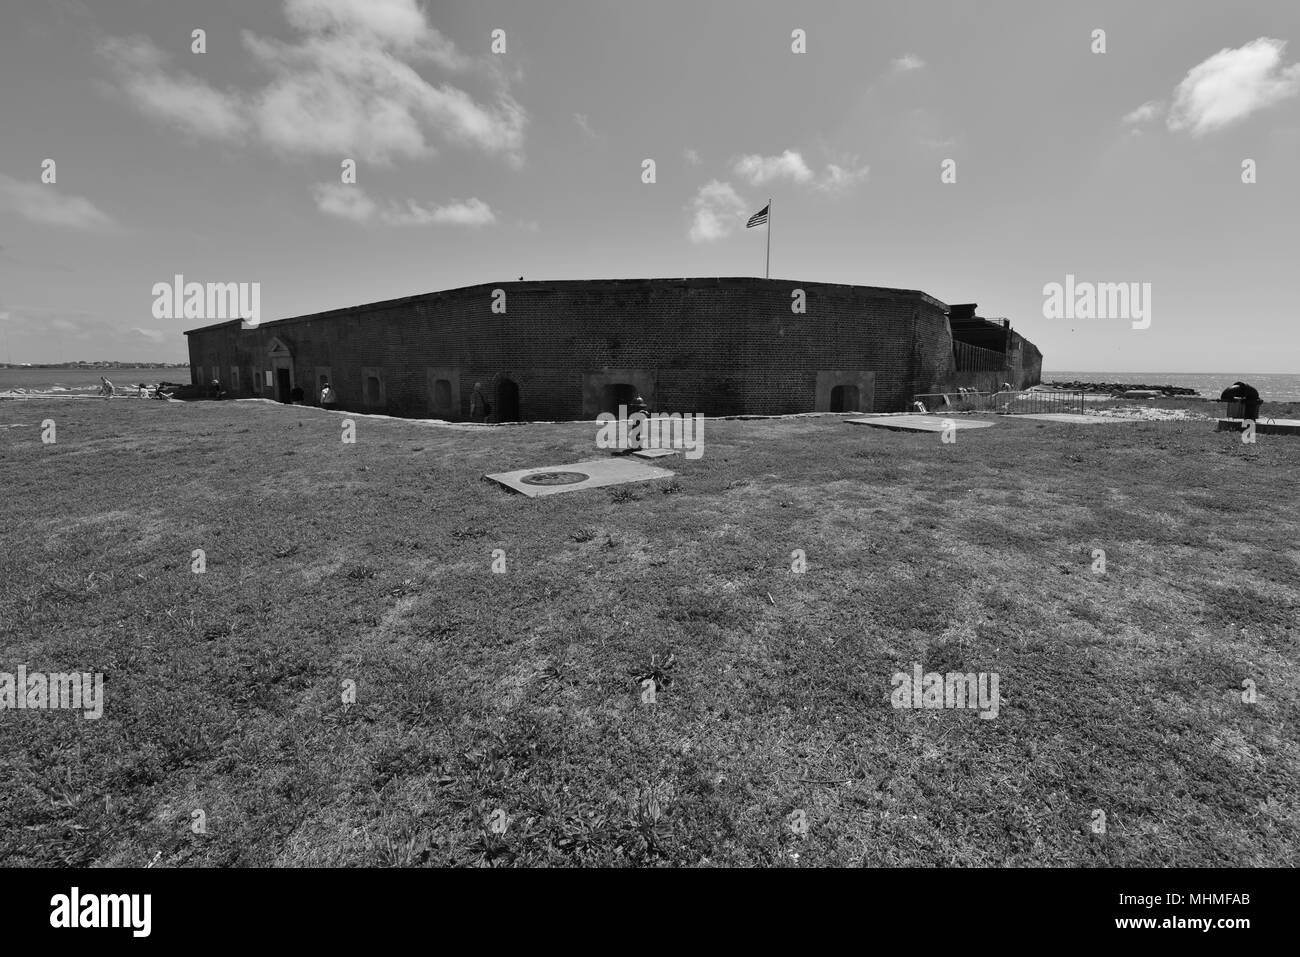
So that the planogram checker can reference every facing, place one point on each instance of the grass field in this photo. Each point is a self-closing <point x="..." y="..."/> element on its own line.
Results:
<point x="521" y="691"/>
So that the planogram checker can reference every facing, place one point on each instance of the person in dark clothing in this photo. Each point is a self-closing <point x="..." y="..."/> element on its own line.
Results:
<point x="1248" y="395"/>
<point x="639" y="441"/>
<point x="296" y="396"/>
<point x="479" y="409"/>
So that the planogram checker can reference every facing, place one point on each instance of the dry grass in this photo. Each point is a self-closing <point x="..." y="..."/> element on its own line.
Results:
<point x="523" y="691"/>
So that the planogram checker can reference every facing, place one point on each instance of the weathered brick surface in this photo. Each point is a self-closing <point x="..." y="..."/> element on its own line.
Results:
<point x="716" y="346"/>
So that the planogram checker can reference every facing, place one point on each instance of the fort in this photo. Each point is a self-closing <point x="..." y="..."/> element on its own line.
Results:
<point x="572" y="349"/>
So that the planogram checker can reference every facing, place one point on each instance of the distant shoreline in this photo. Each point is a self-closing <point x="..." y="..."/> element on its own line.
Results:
<point x="1273" y="387"/>
<point x="1148" y="372"/>
<point x="91" y="366"/>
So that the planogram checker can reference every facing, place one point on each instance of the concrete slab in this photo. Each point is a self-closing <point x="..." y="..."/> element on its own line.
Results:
<point x="907" y="422"/>
<point x="653" y="453"/>
<point x="554" y="479"/>
<point x="1264" y="426"/>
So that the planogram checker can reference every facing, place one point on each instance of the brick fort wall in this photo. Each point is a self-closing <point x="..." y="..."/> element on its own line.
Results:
<point x="568" y="349"/>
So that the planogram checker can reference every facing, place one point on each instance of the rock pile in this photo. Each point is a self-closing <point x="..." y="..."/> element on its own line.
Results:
<point x="1119" y="388"/>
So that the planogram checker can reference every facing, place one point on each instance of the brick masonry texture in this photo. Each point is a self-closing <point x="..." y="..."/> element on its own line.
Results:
<point x="716" y="346"/>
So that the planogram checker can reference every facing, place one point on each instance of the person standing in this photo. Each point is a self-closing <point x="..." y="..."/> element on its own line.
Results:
<point x="638" y="426"/>
<point x="328" y="398"/>
<point x="479" y="410"/>
<point x="105" y="387"/>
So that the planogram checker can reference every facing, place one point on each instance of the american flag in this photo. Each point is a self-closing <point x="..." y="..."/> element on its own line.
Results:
<point x="759" y="218"/>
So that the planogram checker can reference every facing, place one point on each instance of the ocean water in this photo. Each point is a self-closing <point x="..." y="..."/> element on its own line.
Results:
<point x="1273" y="387"/>
<point x="84" y="381"/>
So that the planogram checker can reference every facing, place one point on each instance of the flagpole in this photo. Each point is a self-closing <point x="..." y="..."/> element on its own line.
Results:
<point x="767" y="270"/>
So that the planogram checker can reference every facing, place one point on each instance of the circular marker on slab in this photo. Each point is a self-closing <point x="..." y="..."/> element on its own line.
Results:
<point x="555" y="478"/>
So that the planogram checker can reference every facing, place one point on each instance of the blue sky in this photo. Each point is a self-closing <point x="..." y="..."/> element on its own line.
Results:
<point x="474" y="166"/>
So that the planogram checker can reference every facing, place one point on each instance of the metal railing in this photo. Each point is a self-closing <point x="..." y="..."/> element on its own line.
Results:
<point x="970" y="358"/>
<point x="959" y="400"/>
<point x="1015" y="402"/>
<point x="1037" y="402"/>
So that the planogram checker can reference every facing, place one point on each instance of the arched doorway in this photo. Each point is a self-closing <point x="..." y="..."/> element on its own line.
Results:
<point x="507" y="401"/>
<point x="616" y="394"/>
<point x="844" y="398"/>
<point x="283" y="379"/>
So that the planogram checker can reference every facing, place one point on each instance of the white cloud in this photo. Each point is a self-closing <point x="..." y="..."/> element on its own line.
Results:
<point x="153" y="335"/>
<point x="790" y="165"/>
<point x="346" y="86"/>
<point x="344" y="201"/>
<point x="585" y="125"/>
<point x="759" y="170"/>
<point x="472" y="212"/>
<point x="692" y="157"/>
<point x="180" y="100"/>
<point x="396" y="23"/>
<point x="352" y="203"/>
<point x="719" y="211"/>
<point x="906" y="63"/>
<point x="838" y="178"/>
<point x="1145" y="113"/>
<point x="40" y="319"/>
<point x="73" y="327"/>
<point x="1231" y="85"/>
<point x="333" y="95"/>
<point x="49" y="205"/>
